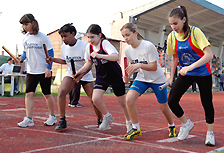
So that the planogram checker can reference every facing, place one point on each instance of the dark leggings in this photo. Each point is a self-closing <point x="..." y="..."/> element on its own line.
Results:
<point x="181" y="85"/>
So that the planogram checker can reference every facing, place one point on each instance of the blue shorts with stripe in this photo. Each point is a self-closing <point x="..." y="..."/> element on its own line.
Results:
<point x="141" y="87"/>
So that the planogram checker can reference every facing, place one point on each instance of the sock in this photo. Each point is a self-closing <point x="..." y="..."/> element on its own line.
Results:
<point x="187" y="124"/>
<point x="107" y="114"/>
<point x="171" y="125"/>
<point x="30" y="118"/>
<point x="128" y="122"/>
<point x="209" y="132"/>
<point x="53" y="115"/>
<point x="136" y="126"/>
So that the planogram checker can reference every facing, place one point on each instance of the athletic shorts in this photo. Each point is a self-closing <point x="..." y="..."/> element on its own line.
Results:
<point x="141" y="87"/>
<point x="119" y="90"/>
<point x="33" y="79"/>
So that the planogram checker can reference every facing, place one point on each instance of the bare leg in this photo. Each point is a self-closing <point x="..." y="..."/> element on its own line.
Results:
<point x="97" y="100"/>
<point x="89" y="91"/>
<point x="183" y="119"/>
<point x="122" y="101"/>
<point x="29" y="102"/>
<point x="66" y="86"/>
<point x="210" y="127"/>
<point x="50" y="103"/>
<point x="131" y="98"/>
<point x="167" y="112"/>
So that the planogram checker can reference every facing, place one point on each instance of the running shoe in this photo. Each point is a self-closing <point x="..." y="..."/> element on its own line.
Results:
<point x="133" y="133"/>
<point x="172" y="131"/>
<point x="184" y="131"/>
<point x="106" y="121"/>
<point x="26" y="122"/>
<point x="62" y="124"/>
<point x="51" y="121"/>
<point x="210" y="139"/>
<point x="79" y="105"/>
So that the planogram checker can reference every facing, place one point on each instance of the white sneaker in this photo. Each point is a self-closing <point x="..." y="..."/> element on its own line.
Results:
<point x="106" y="121"/>
<point x="184" y="131"/>
<point x="51" y="121"/>
<point x="129" y="126"/>
<point x="210" y="139"/>
<point x="26" y="122"/>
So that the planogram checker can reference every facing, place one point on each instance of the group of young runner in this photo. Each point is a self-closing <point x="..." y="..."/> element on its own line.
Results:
<point x="187" y="44"/>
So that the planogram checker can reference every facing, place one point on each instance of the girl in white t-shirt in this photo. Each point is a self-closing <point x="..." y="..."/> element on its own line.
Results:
<point x="72" y="49"/>
<point x="143" y="57"/>
<point x="108" y="73"/>
<point x="38" y="70"/>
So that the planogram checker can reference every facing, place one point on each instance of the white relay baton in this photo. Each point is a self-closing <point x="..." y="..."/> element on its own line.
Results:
<point x="164" y="86"/>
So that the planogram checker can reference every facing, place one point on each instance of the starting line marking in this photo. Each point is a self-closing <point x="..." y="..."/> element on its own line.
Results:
<point x="219" y="150"/>
<point x="16" y="109"/>
<point x="175" y="139"/>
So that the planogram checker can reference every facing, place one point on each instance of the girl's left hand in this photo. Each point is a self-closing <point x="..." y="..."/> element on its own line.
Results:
<point x="47" y="73"/>
<point x="132" y="68"/>
<point x="185" y="69"/>
<point x="94" y="55"/>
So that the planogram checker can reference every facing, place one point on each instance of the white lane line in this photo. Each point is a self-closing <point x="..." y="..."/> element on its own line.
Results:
<point x="10" y="110"/>
<point x="174" y="139"/>
<point x="219" y="150"/>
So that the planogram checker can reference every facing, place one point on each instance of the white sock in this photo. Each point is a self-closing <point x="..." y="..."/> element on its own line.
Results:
<point x="170" y="125"/>
<point x="187" y="124"/>
<point x="136" y="126"/>
<point x="209" y="132"/>
<point x="107" y="114"/>
<point x="128" y="122"/>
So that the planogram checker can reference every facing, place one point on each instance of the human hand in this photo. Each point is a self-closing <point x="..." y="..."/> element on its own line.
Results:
<point x="47" y="73"/>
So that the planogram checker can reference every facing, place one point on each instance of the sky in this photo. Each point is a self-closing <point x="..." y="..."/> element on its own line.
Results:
<point x="53" y="14"/>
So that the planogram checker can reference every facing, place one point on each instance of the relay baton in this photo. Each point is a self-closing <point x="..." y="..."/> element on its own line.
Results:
<point x="73" y="66"/>
<point x="125" y="66"/>
<point x="46" y="53"/>
<point x="10" y="54"/>
<point x="163" y="86"/>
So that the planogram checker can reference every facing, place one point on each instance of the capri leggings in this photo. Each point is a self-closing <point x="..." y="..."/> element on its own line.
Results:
<point x="181" y="85"/>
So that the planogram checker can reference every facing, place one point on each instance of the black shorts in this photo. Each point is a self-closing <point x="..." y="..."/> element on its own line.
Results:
<point x="119" y="90"/>
<point x="33" y="79"/>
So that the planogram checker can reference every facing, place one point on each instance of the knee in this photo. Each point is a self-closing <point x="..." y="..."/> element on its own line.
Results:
<point x="29" y="95"/>
<point x="163" y="108"/>
<point x="129" y="102"/>
<point x="61" y="93"/>
<point x="96" y="100"/>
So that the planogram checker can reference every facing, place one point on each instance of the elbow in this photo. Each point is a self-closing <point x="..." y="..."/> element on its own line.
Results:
<point x="155" y="68"/>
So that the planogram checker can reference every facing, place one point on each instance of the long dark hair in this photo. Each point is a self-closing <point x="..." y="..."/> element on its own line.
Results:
<point x="67" y="28"/>
<point x="95" y="29"/>
<point x="29" y="18"/>
<point x="181" y="12"/>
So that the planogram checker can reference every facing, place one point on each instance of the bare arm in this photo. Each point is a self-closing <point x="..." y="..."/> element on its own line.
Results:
<point x="173" y="68"/>
<point x="111" y="57"/>
<point x="81" y="72"/>
<point x="148" y="67"/>
<point x="57" y="60"/>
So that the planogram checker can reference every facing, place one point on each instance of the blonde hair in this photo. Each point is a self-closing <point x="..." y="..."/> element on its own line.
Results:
<point x="131" y="26"/>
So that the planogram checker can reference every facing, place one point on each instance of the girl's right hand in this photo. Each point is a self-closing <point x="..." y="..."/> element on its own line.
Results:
<point x="170" y="81"/>
<point x="77" y="77"/>
<point x="125" y="79"/>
